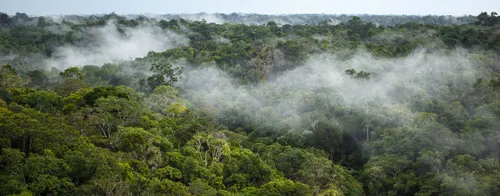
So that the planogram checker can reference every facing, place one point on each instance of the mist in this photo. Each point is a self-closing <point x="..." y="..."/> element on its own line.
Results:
<point x="112" y="43"/>
<point x="322" y="83"/>
<point x="331" y="105"/>
<point x="302" y="19"/>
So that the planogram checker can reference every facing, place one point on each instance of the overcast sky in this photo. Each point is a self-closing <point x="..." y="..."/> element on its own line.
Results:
<point x="397" y="7"/>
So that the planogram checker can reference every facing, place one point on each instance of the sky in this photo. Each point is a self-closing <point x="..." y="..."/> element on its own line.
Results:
<point x="396" y="7"/>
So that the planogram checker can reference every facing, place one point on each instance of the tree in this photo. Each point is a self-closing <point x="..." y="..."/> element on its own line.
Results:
<point x="488" y="20"/>
<point x="460" y="177"/>
<point x="283" y="187"/>
<point x="264" y="57"/>
<point x="316" y="172"/>
<point x="38" y="79"/>
<point x="44" y="101"/>
<point x="245" y="168"/>
<point x="47" y="174"/>
<point x="353" y="73"/>
<point x="9" y="77"/>
<point x="163" y="74"/>
<point x="112" y="187"/>
<point x="72" y="72"/>
<point x="355" y="26"/>
<point x="199" y="187"/>
<point x="424" y="122"/>
<point x="72" y="81"/>
<point x="5" y="20"/>
<point x="327" y="136"/>
<point x="12" y="174"/>
<point x="92" y="96"/>
<point x="454" y="116"/>
<point x="210" y="148"/>
<point x="388" y="174"/>
<point x="167" y="100"/>
<point x="143" y="145"/>
<point x="113" y="112"/>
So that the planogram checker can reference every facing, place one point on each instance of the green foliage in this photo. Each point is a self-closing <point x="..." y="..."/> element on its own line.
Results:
<point x="283" y="187"/>
<point x="353" y="73"/>
<point x="9" y="77"/>
<point x="488" y="20"/>
<point x="44" y="101"/>
<point x="127" y="128"/>
<point x="164" y="74"/>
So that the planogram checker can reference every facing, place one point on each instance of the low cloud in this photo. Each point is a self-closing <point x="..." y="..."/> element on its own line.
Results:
<point x="322" y="83"/>
<point x="112" y="43"/>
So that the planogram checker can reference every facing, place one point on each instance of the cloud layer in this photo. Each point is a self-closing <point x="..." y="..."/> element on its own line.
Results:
<point x="112" y="43"/>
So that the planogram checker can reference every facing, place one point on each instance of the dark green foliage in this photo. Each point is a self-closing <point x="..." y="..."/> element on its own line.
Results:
<point x="488" y="20"/>
<point x="127" y="128"/>
<point x="163" y="74"/>
<point x="103" y="92"/>
<point x="354" y="74"/>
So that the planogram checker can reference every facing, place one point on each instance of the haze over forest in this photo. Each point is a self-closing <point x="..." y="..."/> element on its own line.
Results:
<point x="249" y="104"/>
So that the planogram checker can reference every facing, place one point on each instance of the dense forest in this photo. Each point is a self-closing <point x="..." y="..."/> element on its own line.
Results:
<point x="295" y="19"/>
<point x="249" y="105"/>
